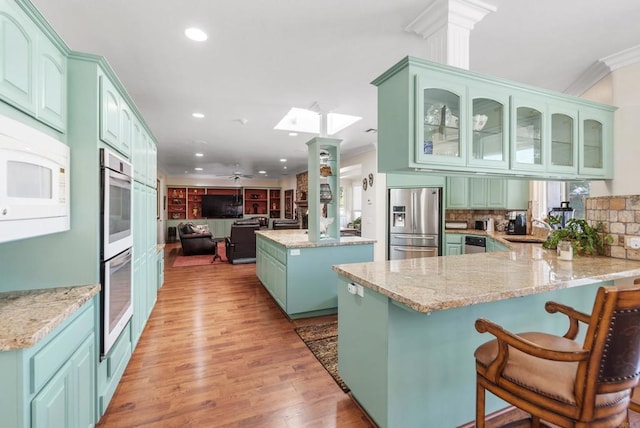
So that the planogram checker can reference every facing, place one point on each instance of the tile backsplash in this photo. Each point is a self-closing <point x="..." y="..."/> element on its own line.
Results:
<point x="620" y="216"/>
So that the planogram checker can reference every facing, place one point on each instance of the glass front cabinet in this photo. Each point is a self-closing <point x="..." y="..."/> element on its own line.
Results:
<point x="434" y="118"/>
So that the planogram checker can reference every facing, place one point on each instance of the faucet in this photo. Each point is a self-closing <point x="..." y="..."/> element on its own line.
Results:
<point x="543" y="223"/>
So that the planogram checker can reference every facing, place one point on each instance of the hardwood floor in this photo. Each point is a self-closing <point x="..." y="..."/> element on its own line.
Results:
<point x="218" y="352"/>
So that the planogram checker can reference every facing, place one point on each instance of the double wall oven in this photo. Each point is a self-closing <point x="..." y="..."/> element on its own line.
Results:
<point x="116" y="252"/>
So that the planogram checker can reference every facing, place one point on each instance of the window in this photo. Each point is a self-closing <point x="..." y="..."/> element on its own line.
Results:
<point x="549" y="194"/>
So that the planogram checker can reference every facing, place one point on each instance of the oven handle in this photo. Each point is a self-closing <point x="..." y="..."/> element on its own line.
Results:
<point x="122" y="180"/>
<point x="120" y="260"/>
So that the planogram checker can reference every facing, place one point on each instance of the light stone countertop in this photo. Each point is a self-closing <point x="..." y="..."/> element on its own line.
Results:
<point x="29" y="316"/>
<point x="298" y="238"/>
<point x="437" y="283"/>
<point x="501" y="237"/>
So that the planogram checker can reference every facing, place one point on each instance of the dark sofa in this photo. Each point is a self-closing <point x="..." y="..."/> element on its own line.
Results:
<point x="241" y="243"/>
<point x="194" y="241"/>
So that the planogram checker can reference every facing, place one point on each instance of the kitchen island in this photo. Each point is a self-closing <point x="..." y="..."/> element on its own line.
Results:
<point x="405" y="347"/>
<point x="297" y="272"/>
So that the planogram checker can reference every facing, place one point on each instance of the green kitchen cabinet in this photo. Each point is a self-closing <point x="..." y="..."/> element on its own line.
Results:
<point x="596" y="130"/>
<point x="436" y="119"/>
<point x="33" y="66"/>
<point x="52" y="384"/>
<point x="563" y="139"/>
<point x="457" y="190"/>
<point x="160" y="268"/>
<point x="454" y="244"/>
<point x="486" y="193"/>
<point x="528" y="146"/>
<point x="300" y="278"/>
<point x="488" y="130"/>
<point x="441" y="115"/>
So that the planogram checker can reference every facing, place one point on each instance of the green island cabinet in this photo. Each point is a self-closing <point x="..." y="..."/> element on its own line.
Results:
<point x="300" y="278"/>
<point x="52" y="384"/>
<point x="434" y="118"/>
<point x="412" y="369"/>
<point x="486" y="193"/>
<point x="33" y="65"/>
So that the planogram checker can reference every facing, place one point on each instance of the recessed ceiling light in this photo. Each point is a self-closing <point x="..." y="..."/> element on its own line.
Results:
<point x="284" y="167"/>
<point x="283" y="160"/>
<point x="262" y="172"/>
<point x="198" y="169"/>
<point x="197" y="115"/>
<point x="199" y="155"/>
<point x="196" y="34"/>
<point x="293" y="134"/>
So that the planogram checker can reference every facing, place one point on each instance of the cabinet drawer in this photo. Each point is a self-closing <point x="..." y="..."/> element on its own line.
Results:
<point x="454" y="238"/>
<point x="46" y="362"/>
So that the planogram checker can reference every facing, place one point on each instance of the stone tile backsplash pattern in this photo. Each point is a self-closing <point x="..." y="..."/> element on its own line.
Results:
<point x="620" y="216"/>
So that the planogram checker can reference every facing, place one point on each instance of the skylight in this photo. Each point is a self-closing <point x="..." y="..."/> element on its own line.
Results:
<point x="303" y="120"/>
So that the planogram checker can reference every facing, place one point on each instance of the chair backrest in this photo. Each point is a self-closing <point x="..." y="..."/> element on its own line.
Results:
<point x="244" y="233"/>
<point x="613" y="337"/>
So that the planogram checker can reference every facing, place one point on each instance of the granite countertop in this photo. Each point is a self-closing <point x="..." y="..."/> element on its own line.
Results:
<point x="437" y="283"/>
<point x="298" y="238"/>
<point x="28" y="316"/>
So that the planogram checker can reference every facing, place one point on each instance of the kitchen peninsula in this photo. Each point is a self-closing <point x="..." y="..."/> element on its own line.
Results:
<point x="406" y="345"/>
<point x="297" y="272"/>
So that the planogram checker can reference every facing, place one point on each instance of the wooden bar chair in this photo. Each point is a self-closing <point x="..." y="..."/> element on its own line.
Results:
<point x="557" y="379"/>
<point x="635" y="396"/>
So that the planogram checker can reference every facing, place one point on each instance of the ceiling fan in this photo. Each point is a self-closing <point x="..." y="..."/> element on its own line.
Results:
<point x="237" y="175"/>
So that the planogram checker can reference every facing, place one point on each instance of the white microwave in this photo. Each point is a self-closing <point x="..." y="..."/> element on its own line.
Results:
<point x="34" y="182"/>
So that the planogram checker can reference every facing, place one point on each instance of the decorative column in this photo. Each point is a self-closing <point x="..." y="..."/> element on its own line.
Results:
<point x="324" y="189"/>
<point x="446" y="25"/>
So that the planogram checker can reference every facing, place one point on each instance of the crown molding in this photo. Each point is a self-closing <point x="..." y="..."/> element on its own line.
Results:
<point x="601" y="68"/>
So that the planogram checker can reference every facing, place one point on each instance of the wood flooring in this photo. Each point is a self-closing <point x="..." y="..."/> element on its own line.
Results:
<point x="218" y="352"/>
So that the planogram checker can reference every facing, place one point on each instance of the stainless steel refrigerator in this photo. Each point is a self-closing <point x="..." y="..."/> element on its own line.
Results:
<point x="414" y="222"/>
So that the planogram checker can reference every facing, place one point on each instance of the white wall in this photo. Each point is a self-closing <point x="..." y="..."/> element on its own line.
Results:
<point x="373" y="201"/>
<point x="621" y="89"/>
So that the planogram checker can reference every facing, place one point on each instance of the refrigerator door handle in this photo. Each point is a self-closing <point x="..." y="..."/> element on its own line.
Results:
<point x="413" y="211"/>
<point x="414" y="237"/>
<point x="417" y="250"/>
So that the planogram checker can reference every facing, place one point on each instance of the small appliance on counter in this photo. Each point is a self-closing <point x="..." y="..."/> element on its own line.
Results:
<point x="517" y="223"/>
<point x="457" y="225"/>
<point x="480" y="225"/>
<point x="561" y="215"/>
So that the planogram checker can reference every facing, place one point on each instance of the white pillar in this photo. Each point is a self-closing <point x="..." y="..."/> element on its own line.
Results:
<point x="446" y="26"/>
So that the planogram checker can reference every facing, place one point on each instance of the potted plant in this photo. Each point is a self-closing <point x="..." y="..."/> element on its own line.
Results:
<point x="585" y="239"/>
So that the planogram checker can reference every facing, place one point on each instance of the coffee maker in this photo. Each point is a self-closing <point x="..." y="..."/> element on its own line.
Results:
<point x="517" y="223"/>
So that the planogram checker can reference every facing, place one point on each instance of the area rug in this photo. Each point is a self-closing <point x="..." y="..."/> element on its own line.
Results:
<point x="200" y="260"/>
<point x="322" y="340"/>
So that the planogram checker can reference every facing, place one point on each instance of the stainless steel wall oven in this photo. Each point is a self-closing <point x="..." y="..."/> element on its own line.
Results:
<point x="116" y="250"/>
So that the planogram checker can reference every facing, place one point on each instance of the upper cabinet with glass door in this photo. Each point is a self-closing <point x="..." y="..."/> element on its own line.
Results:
<point x="489" y="134"/>
<point x="436" y="118"/>
<point x="563" y="142"/>
<point x="596" y="134"/>
<point x="440" y="107"/>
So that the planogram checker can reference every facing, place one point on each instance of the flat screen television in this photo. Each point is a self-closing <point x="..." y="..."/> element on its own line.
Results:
<point x="222" y="206"/>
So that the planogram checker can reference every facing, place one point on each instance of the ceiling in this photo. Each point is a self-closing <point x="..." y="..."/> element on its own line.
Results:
<point x="264" y="57"/>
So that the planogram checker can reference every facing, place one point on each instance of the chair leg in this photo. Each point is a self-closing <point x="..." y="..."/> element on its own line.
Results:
<point x="480" y="393"/>
<point x="535" y="422"/>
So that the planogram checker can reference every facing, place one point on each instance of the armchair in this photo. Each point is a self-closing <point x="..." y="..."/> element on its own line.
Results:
<point x="560" y="380"/>
<point x="194" y="241"/>
<point x="241" y="243"/>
